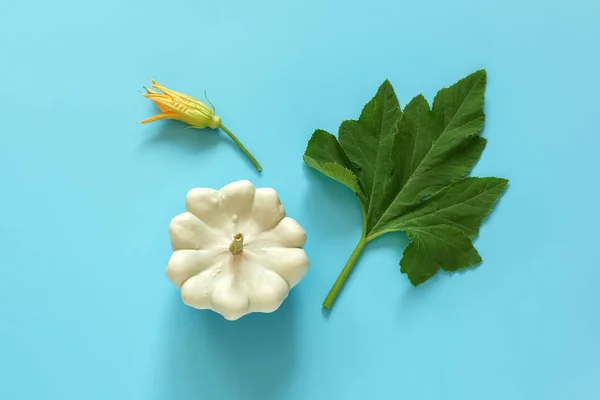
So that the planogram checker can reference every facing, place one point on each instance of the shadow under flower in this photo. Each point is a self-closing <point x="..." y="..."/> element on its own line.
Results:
<point x="177" y="134"/>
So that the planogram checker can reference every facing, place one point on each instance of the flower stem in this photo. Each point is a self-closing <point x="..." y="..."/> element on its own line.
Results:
<point x="337" y="286"/>
<point x="241" y="146"/>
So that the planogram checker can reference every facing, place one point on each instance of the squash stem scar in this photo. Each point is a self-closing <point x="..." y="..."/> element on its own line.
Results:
<point x="237" y="244"/>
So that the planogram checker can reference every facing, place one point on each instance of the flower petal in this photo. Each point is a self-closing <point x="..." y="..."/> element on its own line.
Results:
<point x="182" y="111"/>
<point x="188" y="232"/>
<point x="164" y="115"/>
<point x="290" y="264"/>
<point x="167" y="103"/>
<point x="184" y="98"/>
<point x="184" y="264"/>
<point x="151" y="93"/>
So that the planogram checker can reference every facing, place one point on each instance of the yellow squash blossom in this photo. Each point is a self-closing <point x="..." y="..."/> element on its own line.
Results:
<point x="184" y="108"/>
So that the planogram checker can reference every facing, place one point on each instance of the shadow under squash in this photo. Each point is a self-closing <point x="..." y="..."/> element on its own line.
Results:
<point x="204" y="356"/>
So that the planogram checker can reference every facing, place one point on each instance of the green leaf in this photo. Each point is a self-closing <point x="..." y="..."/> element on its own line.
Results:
<point x="440" y="230"/>
<point x="436" y="147"/>
<point x="462" y="205"/>
<point x="325" y="154"/>
<point x="368" y="143"/>
<point x="434" y="247"/>
<point x="408" y="170"/>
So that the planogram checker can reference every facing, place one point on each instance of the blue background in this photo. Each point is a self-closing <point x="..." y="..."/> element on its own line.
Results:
<point x="87" y="195"/>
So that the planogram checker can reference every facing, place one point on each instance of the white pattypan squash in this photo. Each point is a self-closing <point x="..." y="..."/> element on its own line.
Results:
<point x="235" y="251"/>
